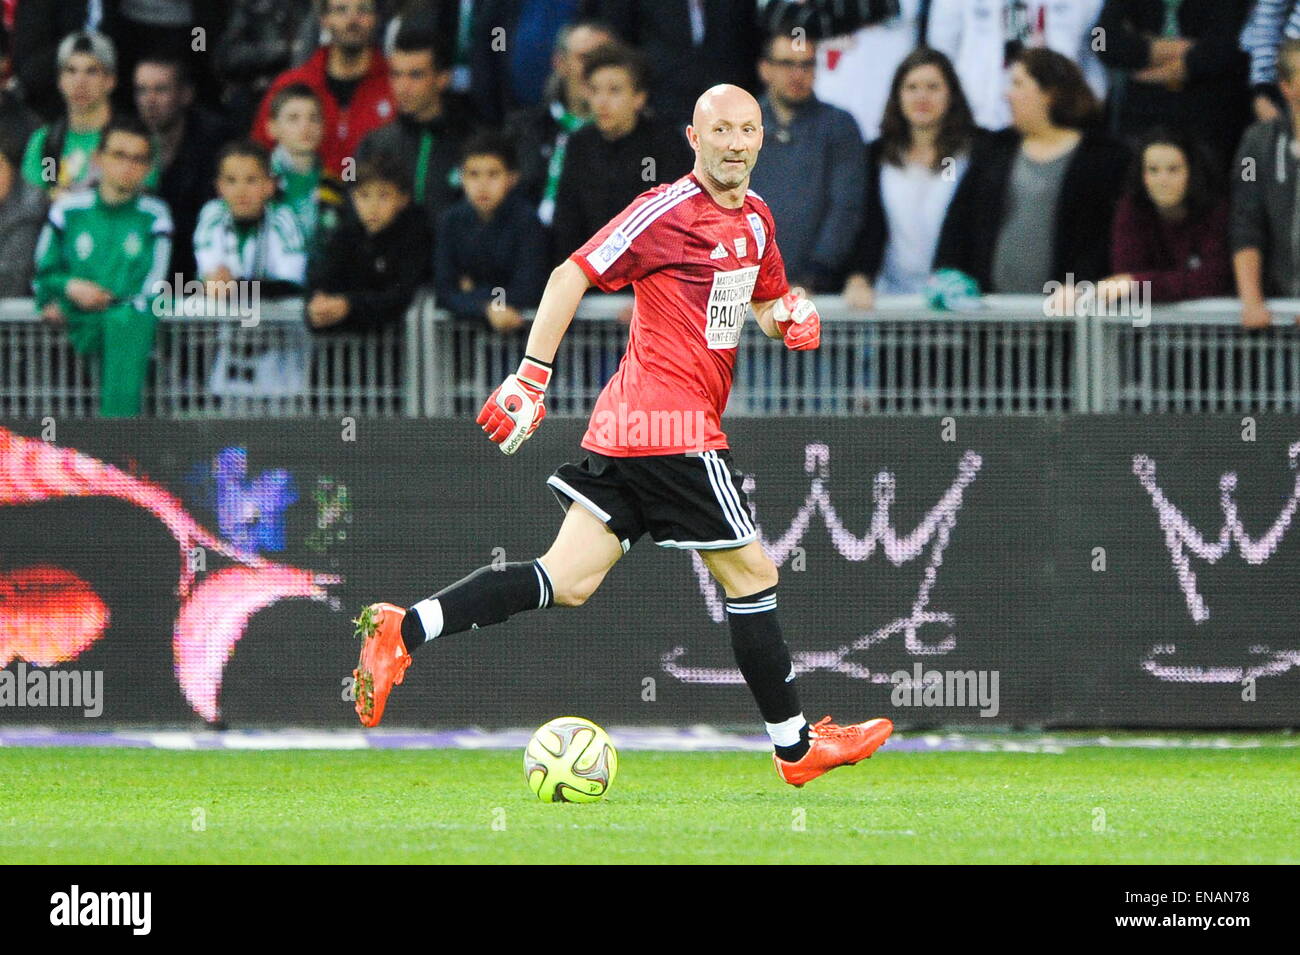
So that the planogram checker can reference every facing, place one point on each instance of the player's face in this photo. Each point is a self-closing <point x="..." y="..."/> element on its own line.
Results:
<point x="124" y="161"/>
<point x="729" y="143"/>
<point x="245" y="186"/>
<point x="298" y="126"/>
<point x="615" y="102"/>
<point x="1165" y="175"/>
<point x="923" y="97"/>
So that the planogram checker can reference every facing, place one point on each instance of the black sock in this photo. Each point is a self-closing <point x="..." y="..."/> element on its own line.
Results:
<point x="792" y="754"/>
<point x="764" y="661"/>
<point x="487" y="596"/>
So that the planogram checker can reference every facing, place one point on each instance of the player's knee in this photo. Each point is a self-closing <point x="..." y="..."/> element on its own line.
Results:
<point x="575" y="593"/>
<point x="765" y="574"/>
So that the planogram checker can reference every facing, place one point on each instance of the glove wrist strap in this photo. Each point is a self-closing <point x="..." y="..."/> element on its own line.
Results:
<point x="535" y="372"/>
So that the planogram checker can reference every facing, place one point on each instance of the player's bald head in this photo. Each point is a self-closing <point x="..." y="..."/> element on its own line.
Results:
<point x="728" y="102"/>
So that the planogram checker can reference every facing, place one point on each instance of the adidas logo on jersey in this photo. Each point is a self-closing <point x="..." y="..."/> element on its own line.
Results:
<point x="719" y="253"/>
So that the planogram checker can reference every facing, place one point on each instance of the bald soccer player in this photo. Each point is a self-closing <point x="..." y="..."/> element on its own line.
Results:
<point x="698" y="253"/>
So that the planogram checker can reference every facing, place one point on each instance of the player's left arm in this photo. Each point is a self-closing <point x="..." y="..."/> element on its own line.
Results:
<point x="792" y="317"/>
<point x="782" y="312"/>
<point x="763" y="312"/>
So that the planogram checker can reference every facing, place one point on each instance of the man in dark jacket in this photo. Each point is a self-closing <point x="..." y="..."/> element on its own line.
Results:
<point x="431" y="126"/>
<point x="812" y="170"/>
<point x="376" y="260"/>
<point x="188" y="139"/>
<point x="541" y="133"/>
<point x="620" y="155"/>
<point x="1181" y="67"/>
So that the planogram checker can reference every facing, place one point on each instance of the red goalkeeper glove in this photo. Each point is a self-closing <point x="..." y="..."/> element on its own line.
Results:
<point x="513" y="412"/>
<point x="797" y="318"/>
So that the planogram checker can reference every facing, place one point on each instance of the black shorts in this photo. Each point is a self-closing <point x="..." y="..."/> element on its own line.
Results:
<point x="693" y="501"/>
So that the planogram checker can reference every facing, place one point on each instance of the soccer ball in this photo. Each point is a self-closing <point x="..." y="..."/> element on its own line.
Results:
<point x="570" y="759"/>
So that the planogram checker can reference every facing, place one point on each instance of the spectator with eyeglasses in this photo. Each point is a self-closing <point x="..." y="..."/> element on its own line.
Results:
<point x="812" y="171"/>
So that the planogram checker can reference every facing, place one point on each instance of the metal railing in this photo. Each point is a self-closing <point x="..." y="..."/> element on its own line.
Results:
<point x="1196" y="356"/>
<point x="221" y="367"/>
<point x="900" y="358"/>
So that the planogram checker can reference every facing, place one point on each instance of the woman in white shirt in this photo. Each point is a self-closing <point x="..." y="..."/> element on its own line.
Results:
<point x="913" y="170"/>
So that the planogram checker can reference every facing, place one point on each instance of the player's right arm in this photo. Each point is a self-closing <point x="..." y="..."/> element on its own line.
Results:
<point x="611" y="259"/>
<point x="512" y="412"/>
<point x="564" y="290"/>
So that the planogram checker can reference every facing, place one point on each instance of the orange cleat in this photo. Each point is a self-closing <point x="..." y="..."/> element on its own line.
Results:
<point x="833" y="746"/>
<point x="383" y="660"/>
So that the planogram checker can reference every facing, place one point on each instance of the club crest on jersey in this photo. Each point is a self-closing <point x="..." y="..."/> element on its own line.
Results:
<point x="132" y="244"/>
<point x="760" y="234"/>
<point x="741" y="245"/>
<point x="608" y="251"/>
<point x="85" y="245"/>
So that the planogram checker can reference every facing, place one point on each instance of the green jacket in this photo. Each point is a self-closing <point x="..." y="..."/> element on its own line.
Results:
<point x="124" y="248"/>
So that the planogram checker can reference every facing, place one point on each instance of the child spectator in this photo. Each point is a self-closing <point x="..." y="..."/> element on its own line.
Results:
<point x="101" y="260"/>
<point x="297" y="128"/>
<point x="22" y="212"/>
<point x="1170" y="228"/>
<point x="377" y="260"/>
<point x="431" y="124"/>
<point x="246" y="233"/>
<point x="350" y="77"/>
<point x="499" y="244"/>
<point x="927" y="140"/>
<point x="58" y="155"/>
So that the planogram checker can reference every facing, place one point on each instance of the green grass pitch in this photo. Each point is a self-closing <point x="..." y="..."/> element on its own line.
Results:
<point x="1086" y="805"/>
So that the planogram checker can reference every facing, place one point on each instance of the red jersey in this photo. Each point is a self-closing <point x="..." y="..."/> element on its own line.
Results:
<point x="694" y="267"/>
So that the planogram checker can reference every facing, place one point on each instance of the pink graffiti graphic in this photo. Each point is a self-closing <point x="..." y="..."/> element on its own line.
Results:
<point x="49" y="615"/>
<point x="1184" y="540"/>
<point x="934" y="531"/>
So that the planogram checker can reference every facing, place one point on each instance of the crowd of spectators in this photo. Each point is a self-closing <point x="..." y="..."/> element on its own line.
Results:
<point x="350" y="152"/>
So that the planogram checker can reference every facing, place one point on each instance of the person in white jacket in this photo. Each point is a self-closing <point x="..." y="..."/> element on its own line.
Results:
<point x="981" y="37"/>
